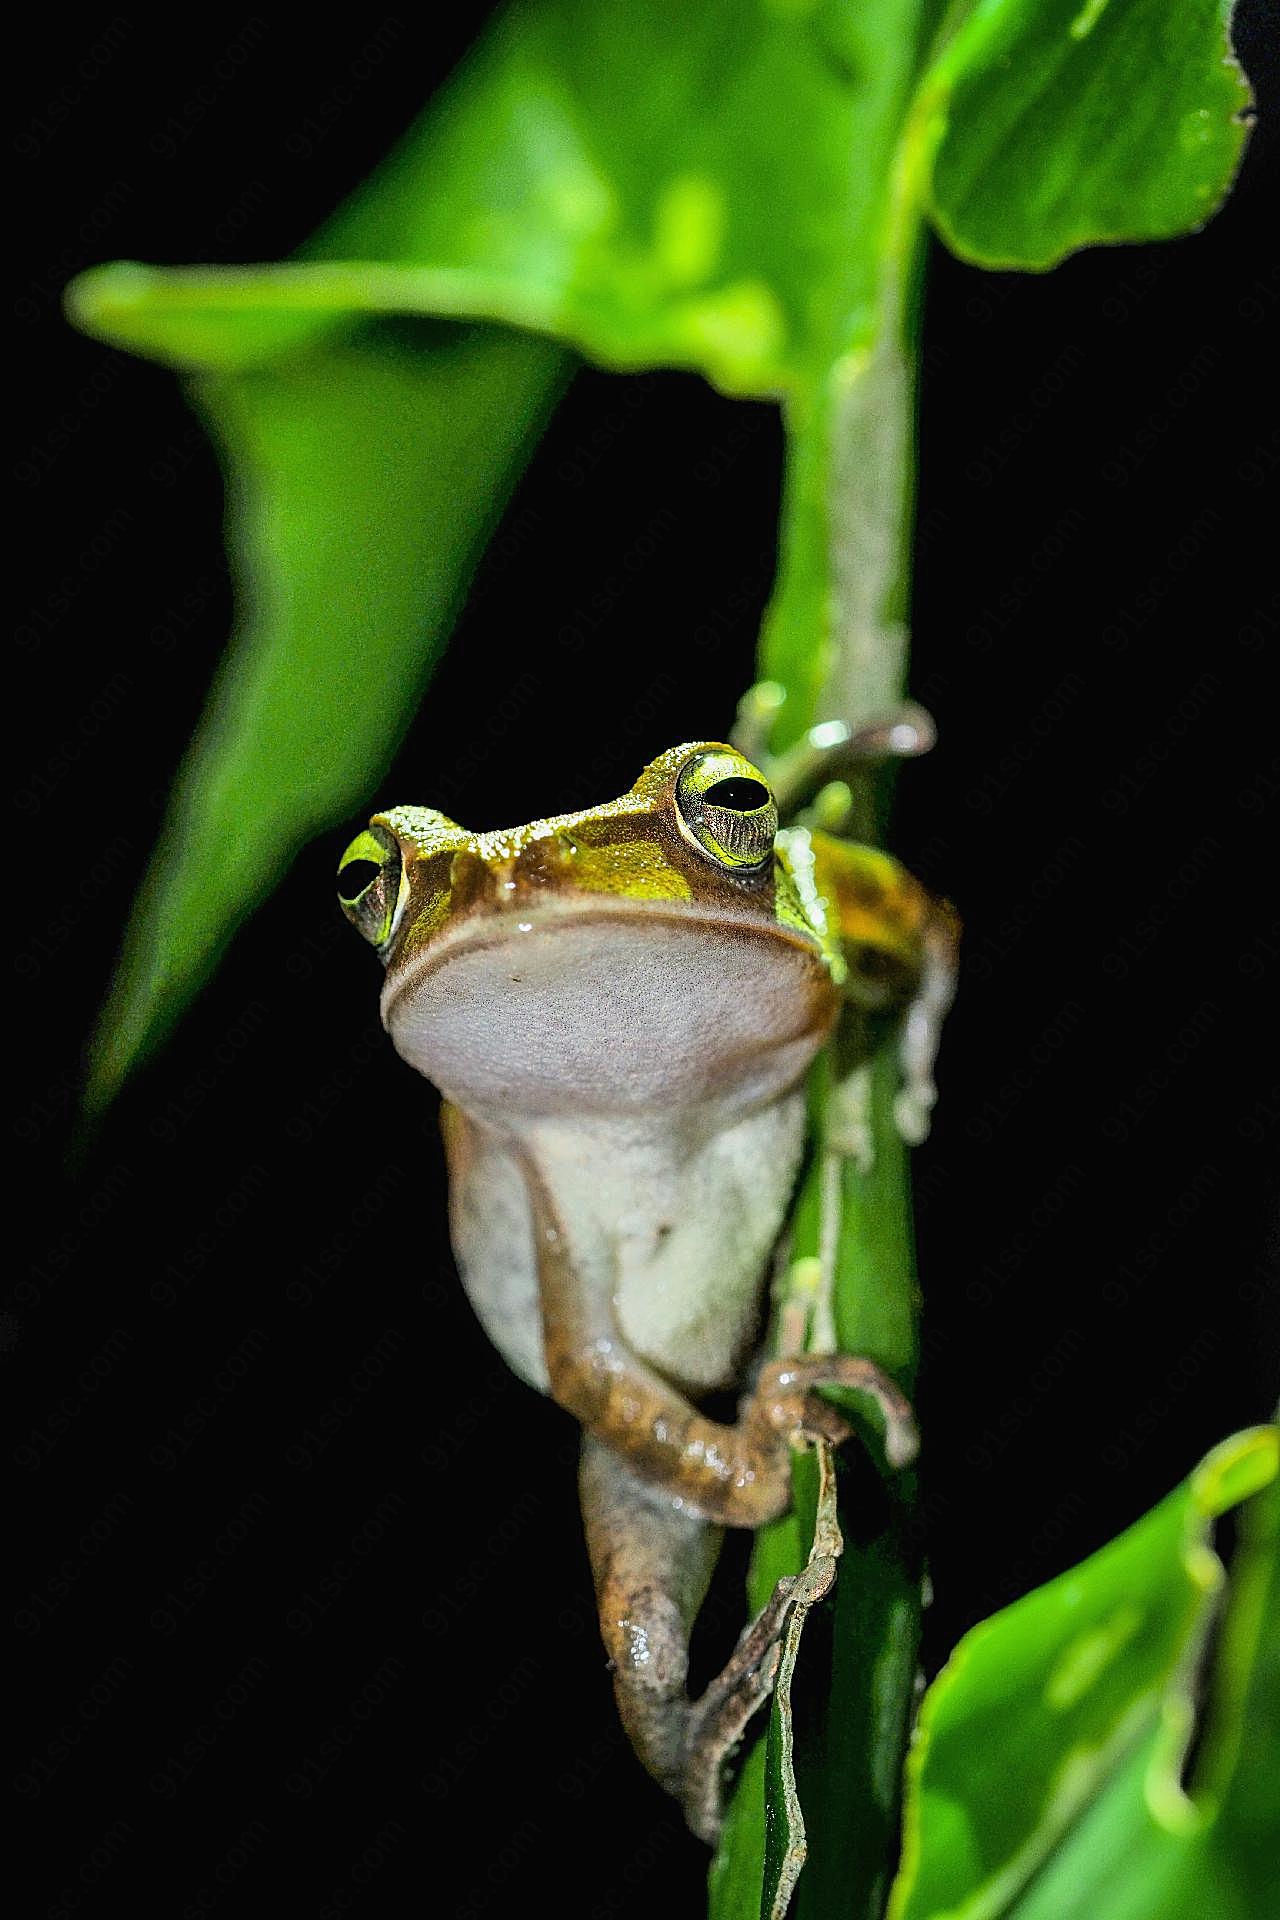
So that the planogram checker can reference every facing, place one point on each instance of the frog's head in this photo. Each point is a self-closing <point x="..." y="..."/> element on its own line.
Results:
<point x="649" y="952"/>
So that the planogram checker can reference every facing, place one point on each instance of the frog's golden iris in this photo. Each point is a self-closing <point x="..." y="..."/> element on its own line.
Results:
<point x="726" y="809"/>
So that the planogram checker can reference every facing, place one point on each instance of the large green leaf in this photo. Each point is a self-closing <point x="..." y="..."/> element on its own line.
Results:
<point x="1153" y="1847"/>
<point x="1237" y="1778"/>
<point x="1044" y="1776"/>
<point x="626" y="179"/>
<point x="1057" y="124"/>
<point x="1040" y="127"/>
<point x="731" y="188"/>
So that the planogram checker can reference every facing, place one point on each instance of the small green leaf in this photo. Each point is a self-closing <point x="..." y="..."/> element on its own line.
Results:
<point x="786" y="1840"/>
<point x="737" y="1880"/>
<point x="1049" y="125"/>
<point x="1043" y="1779"/>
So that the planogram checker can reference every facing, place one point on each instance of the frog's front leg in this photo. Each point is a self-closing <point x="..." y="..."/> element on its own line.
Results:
<point x="659" y="1479"/>
<point x="735" y="1475"/>
<point x="652" y="1560"/>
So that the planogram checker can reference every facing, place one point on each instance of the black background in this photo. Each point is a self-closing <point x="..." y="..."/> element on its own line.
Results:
<point x="303" y="1600"/>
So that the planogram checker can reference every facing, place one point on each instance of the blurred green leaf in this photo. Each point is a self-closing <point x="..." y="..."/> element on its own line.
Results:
<point x="1044" y="1774"/>
<point x="1049" y="125"/>
<point x="365" y="472"/>
<point x="626" y="179"/>
<point x="1147" y="1851"/>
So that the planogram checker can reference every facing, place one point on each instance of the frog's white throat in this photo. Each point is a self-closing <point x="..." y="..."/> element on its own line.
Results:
<point x="598" y="1015"/>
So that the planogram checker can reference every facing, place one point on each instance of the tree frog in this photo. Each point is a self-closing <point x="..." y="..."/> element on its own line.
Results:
<point x="619" y="1007"/>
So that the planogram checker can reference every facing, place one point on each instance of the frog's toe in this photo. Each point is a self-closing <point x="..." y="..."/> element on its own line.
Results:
<point x="718" y="1720"/>
<point x="785" y="1395"/>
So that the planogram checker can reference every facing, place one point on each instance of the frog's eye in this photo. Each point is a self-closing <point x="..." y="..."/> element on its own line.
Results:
<point x="727" y="811"/>
<point x="372" y="884"/>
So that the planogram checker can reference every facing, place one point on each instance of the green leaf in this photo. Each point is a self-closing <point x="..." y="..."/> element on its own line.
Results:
<point x="736" y="1888"/>
<point x="620" y="177"/>
<point x="1239" y="1771"/>
<point x="364" y="474"/>
<point x="1043" y="1779"/>
<point x="624" y="179"/>
<point x="786" y="1839"/>
<point x="1050" y="125"/>
<point x="630" y="181"/>
<point x="1146" y="1851"/>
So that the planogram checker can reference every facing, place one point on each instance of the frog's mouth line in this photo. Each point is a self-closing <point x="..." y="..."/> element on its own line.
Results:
<point x="489" y="934"/>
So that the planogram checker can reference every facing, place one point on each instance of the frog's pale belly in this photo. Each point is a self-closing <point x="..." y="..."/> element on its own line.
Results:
<point x="719" y="1223"/>
<point x="671" y="1223"/>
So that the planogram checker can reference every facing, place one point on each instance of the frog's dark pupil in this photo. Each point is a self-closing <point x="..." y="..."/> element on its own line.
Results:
<point x="355" y="877"/>
<point x="737" y="795"/>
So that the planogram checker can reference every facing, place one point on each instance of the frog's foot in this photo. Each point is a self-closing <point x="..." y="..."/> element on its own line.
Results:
<point x="786" y="1400"/>
<point x="652" y="1553"/>
<point x="652" y="1559"/>
<point x="719" y="1718"/>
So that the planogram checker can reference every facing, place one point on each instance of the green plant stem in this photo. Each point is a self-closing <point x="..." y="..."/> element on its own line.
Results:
<point x="836" y="632"/>
<point x="854" y="1213"/>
